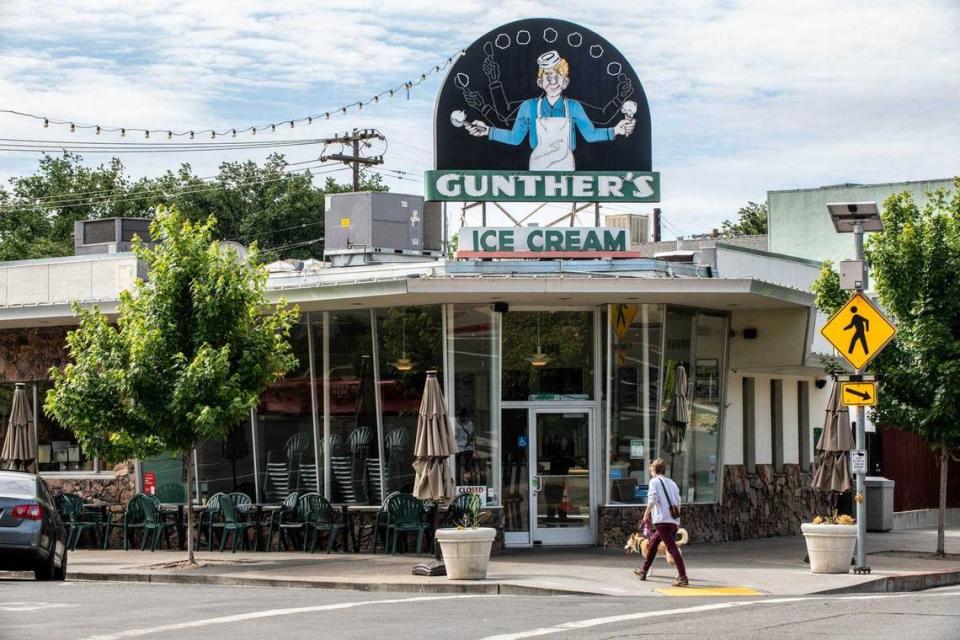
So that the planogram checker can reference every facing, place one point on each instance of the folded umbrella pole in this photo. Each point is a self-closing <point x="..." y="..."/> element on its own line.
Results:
<point x="434" y="446"/>
<point x="19" y="450"/>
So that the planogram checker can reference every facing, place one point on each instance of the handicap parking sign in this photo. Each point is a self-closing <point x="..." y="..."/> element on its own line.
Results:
<point x="522" y="441"/>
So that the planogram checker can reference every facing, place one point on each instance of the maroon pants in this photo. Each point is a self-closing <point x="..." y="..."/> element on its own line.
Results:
<point x="666" y="533"/>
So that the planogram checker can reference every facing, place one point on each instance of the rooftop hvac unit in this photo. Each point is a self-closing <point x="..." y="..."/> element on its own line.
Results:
<point x="374" y="226"/>
<point x="108" y="235"/>
<point x="637" y="224"/>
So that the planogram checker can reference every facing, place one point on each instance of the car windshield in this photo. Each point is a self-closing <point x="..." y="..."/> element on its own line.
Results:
<point x="17" y="486"/>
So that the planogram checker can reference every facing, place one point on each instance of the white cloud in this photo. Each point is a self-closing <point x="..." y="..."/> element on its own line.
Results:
<point x="745" y="96"/>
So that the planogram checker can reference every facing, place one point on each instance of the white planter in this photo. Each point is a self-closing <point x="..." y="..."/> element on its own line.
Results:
<point x="830" y="546"/>
<point x="466" y="552"/>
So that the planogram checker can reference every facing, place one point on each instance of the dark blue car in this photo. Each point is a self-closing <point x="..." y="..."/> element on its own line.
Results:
<point x="32" y="535"/>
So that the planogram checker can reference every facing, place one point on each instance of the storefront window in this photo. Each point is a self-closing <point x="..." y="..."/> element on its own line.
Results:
<point x="474" y="364"/>
<point x="675" y="399"/>
<point x="284" y="424"/>
<point x="410" y="343"/>
<point x="354" y="461"/>
<point x="165" y="477"/>
<point x="57" y="448"/>
<point x="704" y="433"/>
<point x="690" y="409"/>
<point x="548" y="355"/>
<point x="636" y="332"/>
<point x="226" y="466"/>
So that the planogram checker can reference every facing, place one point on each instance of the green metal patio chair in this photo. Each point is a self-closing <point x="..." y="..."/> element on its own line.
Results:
<point x="143" y="512"/>
<point x="296" y="522"/>
<point x="406" y="515"/>
<point x="319" y="516"/>
<point x="232" y="523"/>
<point x="286" y="514"/>
<point x="209" y="515"/>
<point x="77" y="519"/>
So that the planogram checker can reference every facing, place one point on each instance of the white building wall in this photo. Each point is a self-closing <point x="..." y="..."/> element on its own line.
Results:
<point x="763" y="437"/>
<point x="733" y="420"/>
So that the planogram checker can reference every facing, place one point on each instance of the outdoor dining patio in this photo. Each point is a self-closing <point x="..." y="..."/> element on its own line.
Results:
<point x="302" y="521"/>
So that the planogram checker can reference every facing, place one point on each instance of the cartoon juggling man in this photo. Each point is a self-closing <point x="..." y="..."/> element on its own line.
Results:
<point x="551" y="121"/>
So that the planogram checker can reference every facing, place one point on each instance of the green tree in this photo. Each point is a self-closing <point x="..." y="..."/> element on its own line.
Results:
<point x="915" y="269"/>
<point x="283" y="212"/>
<point x="190" y="353"/>
<point x="751" y="221"/>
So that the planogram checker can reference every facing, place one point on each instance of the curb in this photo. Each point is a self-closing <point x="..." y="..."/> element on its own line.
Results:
<point x="911" y="582"/>
<point x="479" y="587"/>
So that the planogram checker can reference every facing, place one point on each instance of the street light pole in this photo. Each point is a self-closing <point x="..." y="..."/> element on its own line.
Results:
<point x="861" y="437"/>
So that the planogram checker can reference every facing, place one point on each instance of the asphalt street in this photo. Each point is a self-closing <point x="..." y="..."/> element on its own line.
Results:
<point x="114" y="611"/>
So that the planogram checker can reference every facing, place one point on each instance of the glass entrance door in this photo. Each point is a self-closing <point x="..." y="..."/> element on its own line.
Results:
<point x="547" y="475"/>
<point x="562" y="504"/>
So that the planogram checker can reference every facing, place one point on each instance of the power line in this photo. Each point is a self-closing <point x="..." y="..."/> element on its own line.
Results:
<point x="170" y="133"/>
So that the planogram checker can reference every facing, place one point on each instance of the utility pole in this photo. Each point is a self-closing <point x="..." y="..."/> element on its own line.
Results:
<point x="656" y="224"/>
<point x="355" y="160"/>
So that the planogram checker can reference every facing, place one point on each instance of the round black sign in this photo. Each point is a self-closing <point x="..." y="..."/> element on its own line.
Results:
<point x="542" y="95"/>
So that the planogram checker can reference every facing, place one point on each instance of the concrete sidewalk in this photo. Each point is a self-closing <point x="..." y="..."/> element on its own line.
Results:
<point x="900" y="561"/>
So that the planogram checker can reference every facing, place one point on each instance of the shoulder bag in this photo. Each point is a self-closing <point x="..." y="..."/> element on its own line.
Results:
<point x="674" y="509"/>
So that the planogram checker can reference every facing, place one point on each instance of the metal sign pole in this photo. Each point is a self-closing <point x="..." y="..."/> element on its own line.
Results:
<point x="861" y="438"/>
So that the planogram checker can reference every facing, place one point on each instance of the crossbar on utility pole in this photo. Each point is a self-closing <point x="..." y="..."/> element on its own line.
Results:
<point x="355" y="160"/>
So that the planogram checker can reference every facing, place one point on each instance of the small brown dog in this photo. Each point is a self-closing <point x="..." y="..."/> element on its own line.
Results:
<point x="637" y="543"/>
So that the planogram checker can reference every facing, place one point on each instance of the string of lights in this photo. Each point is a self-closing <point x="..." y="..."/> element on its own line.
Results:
<point x="47" y="146"/>
<point x="171" y="133"/>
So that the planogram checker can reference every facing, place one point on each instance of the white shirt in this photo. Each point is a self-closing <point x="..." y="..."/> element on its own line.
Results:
<point x="658" y="490"/>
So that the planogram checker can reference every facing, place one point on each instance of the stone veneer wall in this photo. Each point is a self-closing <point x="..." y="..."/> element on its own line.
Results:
<point x="116" y="490"/>
<point x="755" y="505"/>
<point x="28" y="354"/>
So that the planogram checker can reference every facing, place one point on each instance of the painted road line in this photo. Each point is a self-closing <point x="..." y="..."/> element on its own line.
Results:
<point x="709" y="591"/>
<point x="33" y="606"/>
<point x="269" y="613"/>
<point x="633" y="617"/>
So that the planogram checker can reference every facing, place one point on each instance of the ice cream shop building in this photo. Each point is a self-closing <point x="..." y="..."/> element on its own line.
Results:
<point x="568" y="360"/>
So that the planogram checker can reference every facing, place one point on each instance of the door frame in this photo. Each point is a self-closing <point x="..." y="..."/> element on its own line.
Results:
<point x="572" y="537"/>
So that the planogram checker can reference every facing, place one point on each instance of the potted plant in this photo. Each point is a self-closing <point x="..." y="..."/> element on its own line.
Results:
<point x="466" y="547"/>
<point x="830" y="543"/>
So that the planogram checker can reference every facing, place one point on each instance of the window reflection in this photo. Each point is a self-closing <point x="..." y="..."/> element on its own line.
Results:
<point x="636" y="334"/>
<point x="410" y="344"/>
<point x="355" y="471"/>
<point x="474" y="364"/>
<point x="548" y="355"/>
<point x="284" y="423"/>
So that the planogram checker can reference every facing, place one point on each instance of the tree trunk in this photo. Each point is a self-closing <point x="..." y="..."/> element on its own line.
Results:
<point x="188" y="461"/>
<point x="942" y="520"/>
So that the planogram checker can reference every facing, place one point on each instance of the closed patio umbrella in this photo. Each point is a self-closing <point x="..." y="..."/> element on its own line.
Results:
<point x="833" y="470"/>
<point x="433" y="446"/>
<point x="18" y="446"/>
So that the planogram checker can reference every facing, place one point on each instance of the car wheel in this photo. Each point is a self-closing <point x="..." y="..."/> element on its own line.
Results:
<point x="61" y="573"/>
<point x="46" y="570"/>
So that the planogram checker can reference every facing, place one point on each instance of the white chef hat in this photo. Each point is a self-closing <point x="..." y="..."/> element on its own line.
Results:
<point x="549" y="60"/>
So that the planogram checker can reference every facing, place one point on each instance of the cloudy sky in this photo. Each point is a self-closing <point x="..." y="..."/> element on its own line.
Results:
<point x="745" y="96"/>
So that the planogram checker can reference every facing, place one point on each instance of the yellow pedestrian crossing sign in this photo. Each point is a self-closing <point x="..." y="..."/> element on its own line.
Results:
<point x="858" y="331"/>
<point x="622" y="317"/>
<point x="858" y="394"/>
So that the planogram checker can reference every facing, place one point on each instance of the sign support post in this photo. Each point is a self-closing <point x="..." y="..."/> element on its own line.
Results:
<point x="861" y="437"/>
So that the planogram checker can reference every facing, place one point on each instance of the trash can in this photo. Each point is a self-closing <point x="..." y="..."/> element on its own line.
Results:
<point x="879" y="503"/>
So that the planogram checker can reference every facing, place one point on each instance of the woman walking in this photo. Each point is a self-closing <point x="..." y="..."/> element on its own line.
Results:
<point x="663" y="510"/>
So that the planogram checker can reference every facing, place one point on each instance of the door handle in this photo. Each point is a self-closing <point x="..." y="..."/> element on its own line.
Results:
<point x="536" y="483"/>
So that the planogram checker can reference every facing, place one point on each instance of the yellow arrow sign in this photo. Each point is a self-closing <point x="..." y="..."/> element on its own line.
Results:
<point x="858" y="394"/>
<point x="858" y="331"/>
